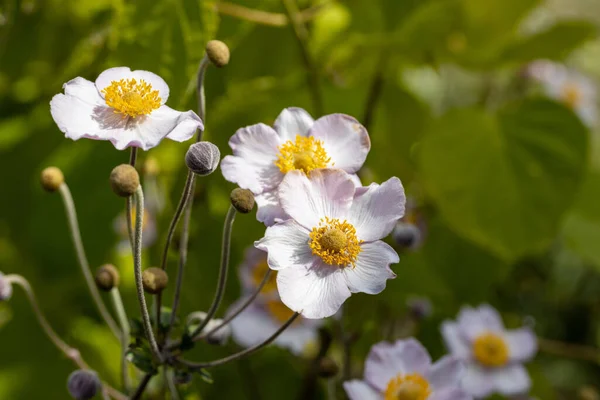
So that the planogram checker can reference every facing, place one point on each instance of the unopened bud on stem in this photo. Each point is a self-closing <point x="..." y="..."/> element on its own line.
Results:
<point x="202" y="158"/>
<point x="218" y="53"/>
<point x="51" y="179"/>
<point x="107" y="277"/>
<point x="154" y="280"/>
<point x="242" y="200"/>
<point x="83" y="384"/>
<point x="124" y="180"/>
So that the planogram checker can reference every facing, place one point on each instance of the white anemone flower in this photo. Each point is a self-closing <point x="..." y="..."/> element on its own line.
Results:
<point x="124" y="107"/>
<point x="404" y="371"/>
<point x="330" y="247"/>
<point x="262" y="155"/>
<point x="494" y="355"/>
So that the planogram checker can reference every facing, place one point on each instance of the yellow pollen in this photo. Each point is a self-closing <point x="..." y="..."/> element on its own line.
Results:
<point x="131" y="97"/>
<point x="490" y="350"/>
<point x="304" y="154"/>
<point x="258" y="273"/>
<point x="335" y="242"/>
<point x="279" y="311"/>
<point x="407" y="387"/>
<point x="571" y="95"/>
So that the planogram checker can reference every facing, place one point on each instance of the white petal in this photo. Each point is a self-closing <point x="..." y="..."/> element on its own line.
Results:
<point x="118" y="73"/>
<point x="478" y="382"/>
<point x="511" y="380"/>
<point x="345" y="140"/>
<point x="446" y="373"/>
<point x="522" y="344"/>
<point x="187" y="122"/>
<point x="287" y="245"/>
<point x="252" y="165"/>
<point x="356" y="181"/>
<point x="455" y="342"/>
<point x="475" y="321"/>
<point x="317" y="291"/>
<point x="450" y="394"/>
<point x="269" y="209"/>
<point x="387" y="360"/>
<point x="328" y="193"/>
<point x="293" y="121"/>
<point x="359" y="390"/>
<point x="374" y="212"/>
<point x="372" y="268"/>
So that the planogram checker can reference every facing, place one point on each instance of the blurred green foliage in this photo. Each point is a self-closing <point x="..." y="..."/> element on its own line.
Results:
<point x="508" y="184"/>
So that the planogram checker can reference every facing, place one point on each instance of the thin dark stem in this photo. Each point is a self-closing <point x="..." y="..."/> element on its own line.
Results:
<point x="222" y="280"/>
<point x="241" y="308"/>
<point x="204" y="63"/>
<point x="301" y="33"/>
<point x="139" y="391"/>
<point x="137" y="269"/>
<point x="243" y="353"/>
<point x="171" y="385"/>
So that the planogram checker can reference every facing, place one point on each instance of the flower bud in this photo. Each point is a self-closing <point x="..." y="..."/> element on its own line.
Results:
<point x="107" y="277"/>
<point x="203" y="158"/>
<point x="124" y="180"/>
<point x="218" y="53"/>
<point x="406" y="236"/>
<point x="51" y="179"/>
<point x="154" y="280"/>
<point x="83" y="384"/>
<point x="327" y="368"/>
<point x="242" y="200"/>
<point x="5" y="288"/>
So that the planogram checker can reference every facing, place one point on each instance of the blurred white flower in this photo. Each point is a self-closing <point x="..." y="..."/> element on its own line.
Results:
<point x="262" y="155"/>
<point x="219" y="337"/>
<point x="252" y="271"/>
<point x="331" y="247"/>
<point x="568" y="86"/>
<point x="493" y="354"/>
<point x="5" y="288"/>
<point x="123" y="106"/>
<point x="404" y="371"/>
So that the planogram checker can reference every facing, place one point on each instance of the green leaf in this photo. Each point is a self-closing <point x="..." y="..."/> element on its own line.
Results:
<point x="137" y="328"/>
<point x="186" y="342"/>
<point x="555" y="43"/>
<point x="142" y="359"/>
<point x="504" y="181"/>
<point x="205" y="375"/>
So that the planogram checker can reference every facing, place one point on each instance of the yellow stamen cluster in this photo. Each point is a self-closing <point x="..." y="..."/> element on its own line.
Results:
<point x="571" y="95"/>
<point x="490" y="350"/>
<point x="407" y="387"/>
<point x="131" y="97"/>
<point x="304" y="154"/>
<point x="258" y="273"/>
<point x="335" y="242"/>
<point x="279" y="311"/>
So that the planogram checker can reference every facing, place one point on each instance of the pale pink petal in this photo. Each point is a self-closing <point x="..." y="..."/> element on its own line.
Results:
<point x="345" y="140"/>
<point x="372" y="268"/>
<point x="328" y="193"/>
<point x="317" y="291"/>
<point x="293" y="121"/>
<point x="386" y="360"/>
<point x="252" y="165"/>
<point x="359" y="390"/>
<point x="375" y="212"/>
<point x="287" y="245"/>
<point x="356" y="181"/>
<point x="115" y="74"/>
<point x="269" y="209"/>
<point x="476" y="321"/>
<point x="450" y="394"/>
<point x="522" y="344"/>
<point x="187" y="122"/>
<point x="511" y="380"/>
<point x="455" y="342"/>
<point x="478" y="381"/>
<point x="446" y="373"/>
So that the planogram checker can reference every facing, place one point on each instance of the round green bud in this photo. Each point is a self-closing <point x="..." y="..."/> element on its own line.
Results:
<point x="124" y="180"/>
<point x="107" y="277"/>
<point x="83" y="384"/>
<point x="242" y="200"/>
<point x="218" y="53"/>
<point x="154" y="280"/>
<point x="51" y="179"/>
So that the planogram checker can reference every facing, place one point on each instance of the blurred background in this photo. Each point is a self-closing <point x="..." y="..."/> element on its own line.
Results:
<point x="486" y="110"/>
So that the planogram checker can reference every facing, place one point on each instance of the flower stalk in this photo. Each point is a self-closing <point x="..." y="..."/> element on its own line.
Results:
<point x="125" y="331"/>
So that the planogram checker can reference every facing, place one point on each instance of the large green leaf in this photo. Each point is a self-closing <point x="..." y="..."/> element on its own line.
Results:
<point x="505" y="180"/>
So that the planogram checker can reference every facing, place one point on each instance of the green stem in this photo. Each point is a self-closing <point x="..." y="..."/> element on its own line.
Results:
<point x="81" y="257"/>
<point x="139" y="391"/>
<point x="129" y="201"/>
<point x="137" y="267"/>
<point x="222" y="280"/>
<point x="125" y="329"/>
<point x="200" y="92"/>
